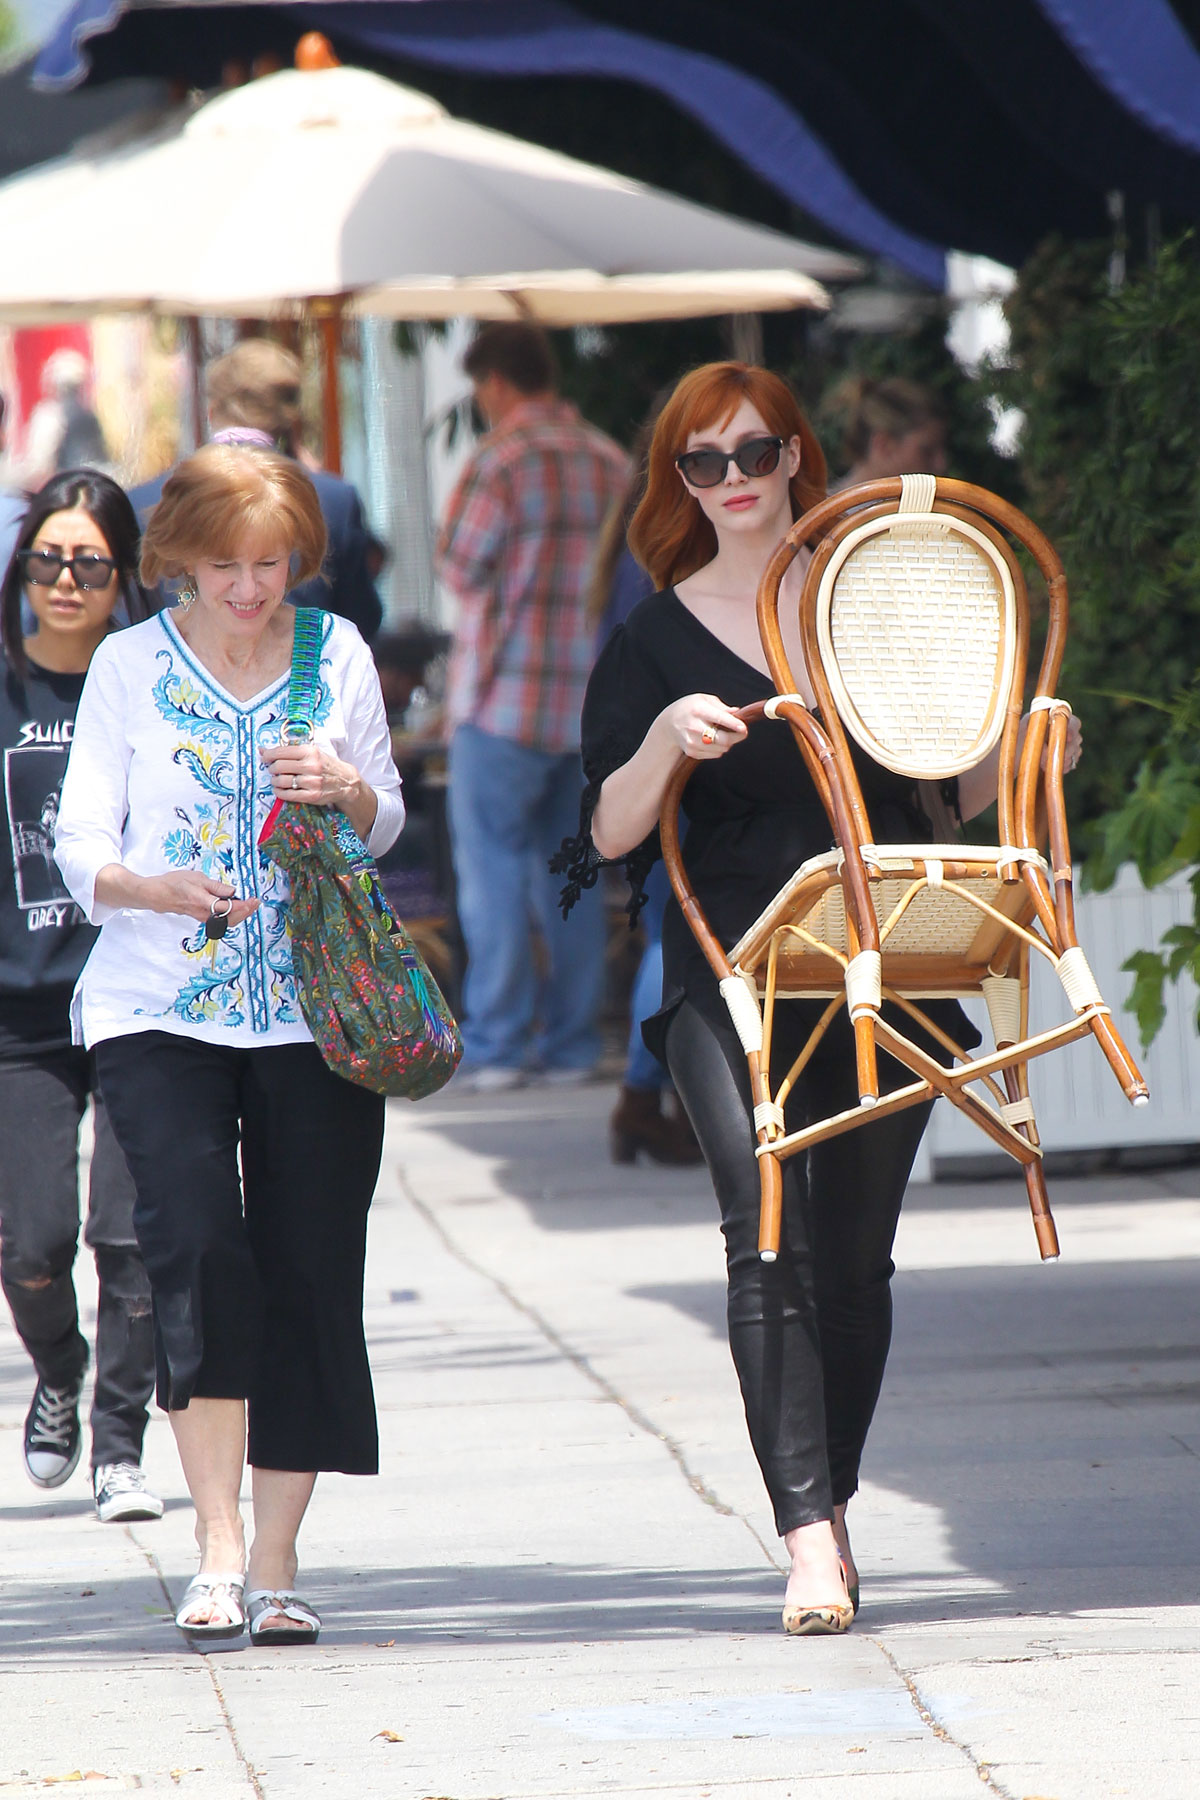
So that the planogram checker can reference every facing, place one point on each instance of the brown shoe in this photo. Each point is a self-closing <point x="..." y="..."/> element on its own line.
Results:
<point x="639" y="1123"/>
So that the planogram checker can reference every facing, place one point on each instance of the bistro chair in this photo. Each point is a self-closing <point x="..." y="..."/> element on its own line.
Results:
<point x="914" y="621"/>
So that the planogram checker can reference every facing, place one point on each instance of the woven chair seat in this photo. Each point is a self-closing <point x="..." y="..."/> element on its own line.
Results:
<point x="939" y="946"/>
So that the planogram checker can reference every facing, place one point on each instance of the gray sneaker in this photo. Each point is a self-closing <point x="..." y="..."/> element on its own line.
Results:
<point x="121" y="1494"/>
<point x="52" y="1436"/>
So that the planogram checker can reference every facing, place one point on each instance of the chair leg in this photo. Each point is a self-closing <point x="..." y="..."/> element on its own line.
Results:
<point x="865" y="1060"/>
<point x="1016" y="1081"/>
<point x="1119" y="1060"/>
<point x="770" y="1208"/>
<point x="1039" y="1206"/>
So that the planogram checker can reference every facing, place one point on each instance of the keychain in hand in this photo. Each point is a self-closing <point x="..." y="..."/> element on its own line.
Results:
<point x="217" y="925"/>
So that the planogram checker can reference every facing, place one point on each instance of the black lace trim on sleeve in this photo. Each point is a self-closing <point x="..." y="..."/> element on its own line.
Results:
<point x="580" y="861"/>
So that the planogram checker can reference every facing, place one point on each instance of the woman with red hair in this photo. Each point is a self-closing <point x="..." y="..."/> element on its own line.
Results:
<point x="733" y="463"/>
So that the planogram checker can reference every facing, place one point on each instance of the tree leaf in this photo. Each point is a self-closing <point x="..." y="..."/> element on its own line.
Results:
<point x="1145" y="999"/>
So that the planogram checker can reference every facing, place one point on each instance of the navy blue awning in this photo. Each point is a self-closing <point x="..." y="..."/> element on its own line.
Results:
<point x="35" y="127"/>
<point x="905" y="126"/>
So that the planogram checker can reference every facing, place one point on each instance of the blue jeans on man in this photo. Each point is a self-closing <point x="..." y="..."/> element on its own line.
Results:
<point x="510" y="807"/>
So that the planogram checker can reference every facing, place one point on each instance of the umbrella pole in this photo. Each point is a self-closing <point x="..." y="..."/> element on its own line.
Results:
<point x="329" y="325"/>
<point x="195" y="377"/>
<point x="746" y="336"/>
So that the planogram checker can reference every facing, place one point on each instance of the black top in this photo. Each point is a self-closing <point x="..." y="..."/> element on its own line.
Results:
<point x="44" y="938"/>
<point x="753" y="814"/>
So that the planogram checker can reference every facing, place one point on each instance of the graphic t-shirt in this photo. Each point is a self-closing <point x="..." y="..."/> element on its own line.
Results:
<point x="44" y="937"/>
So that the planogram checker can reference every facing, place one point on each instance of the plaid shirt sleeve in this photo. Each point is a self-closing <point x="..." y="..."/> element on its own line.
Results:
<point x="472" y="534"/>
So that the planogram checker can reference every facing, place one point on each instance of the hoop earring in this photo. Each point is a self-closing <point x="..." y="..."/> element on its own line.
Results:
<point x="186" y="597"/>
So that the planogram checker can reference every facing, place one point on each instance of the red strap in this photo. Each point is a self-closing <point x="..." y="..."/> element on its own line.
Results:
<point x="269" y="823"/>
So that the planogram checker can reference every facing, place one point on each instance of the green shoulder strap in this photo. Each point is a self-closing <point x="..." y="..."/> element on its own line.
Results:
<point x="306" y="674"/>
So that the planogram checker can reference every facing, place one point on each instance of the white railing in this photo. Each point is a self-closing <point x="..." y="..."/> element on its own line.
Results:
<point x="1078" y="1102"/>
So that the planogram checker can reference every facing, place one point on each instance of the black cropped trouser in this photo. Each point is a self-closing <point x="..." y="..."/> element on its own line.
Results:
<point x="810" y="1332"/>
<point x="254" y="1170"/>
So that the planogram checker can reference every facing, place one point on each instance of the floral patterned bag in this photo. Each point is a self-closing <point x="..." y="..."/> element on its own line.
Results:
<point x="372" y="1006"/>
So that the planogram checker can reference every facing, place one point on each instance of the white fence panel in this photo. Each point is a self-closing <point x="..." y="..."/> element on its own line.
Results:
<point x="1078" y="1101"/>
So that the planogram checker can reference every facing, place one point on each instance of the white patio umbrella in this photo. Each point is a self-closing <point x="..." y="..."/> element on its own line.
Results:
<point x="334" y="190"/>
<point x="337" y="184"/>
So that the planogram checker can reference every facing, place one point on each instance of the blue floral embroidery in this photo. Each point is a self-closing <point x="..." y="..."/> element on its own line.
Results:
<point x="248" y="973"/>
<point x="214" y="995"/>
<point x="181" y="848"/>
<point x="277" y="953"/>
<point x="324" y="704"/>
<point x="212" y="773"/>
<point x="183" y="703"/>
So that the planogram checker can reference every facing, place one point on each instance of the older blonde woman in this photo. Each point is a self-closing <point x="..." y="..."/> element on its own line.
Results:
<point x="255" y="1259"/>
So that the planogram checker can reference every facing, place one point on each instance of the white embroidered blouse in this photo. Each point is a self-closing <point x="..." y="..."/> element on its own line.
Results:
<point x="165" y="773"/>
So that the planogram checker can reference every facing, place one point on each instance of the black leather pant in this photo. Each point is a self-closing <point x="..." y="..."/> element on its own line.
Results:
<point x="810" y="1332"/>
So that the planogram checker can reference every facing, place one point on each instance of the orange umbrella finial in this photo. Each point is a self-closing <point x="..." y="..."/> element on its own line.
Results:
<point x="314" y="51"/>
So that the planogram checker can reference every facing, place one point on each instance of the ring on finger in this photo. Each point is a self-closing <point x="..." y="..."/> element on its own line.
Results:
<point x="708" y="735"/>
<point x="295" y="782"/>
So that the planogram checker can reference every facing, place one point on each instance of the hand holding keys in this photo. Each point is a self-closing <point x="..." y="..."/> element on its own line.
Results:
<point x="217" y="925"/>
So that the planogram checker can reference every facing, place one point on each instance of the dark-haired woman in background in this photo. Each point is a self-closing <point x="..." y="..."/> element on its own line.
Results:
<point x="74" y="571"/>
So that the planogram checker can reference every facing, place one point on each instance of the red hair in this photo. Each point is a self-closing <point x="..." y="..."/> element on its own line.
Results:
<point x="668" y="533"/>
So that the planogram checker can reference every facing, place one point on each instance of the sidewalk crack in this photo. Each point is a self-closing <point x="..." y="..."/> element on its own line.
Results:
<point x="248" y="1769"/>
<point x="633" y="1413"/>
<point x="934" y="1725"/>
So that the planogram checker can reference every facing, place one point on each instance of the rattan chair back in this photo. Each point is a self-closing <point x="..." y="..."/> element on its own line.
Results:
<point x="916" y="617"/>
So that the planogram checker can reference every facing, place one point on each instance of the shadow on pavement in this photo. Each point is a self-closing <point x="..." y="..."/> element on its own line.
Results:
<point x="551" y="1152"/>
<point x="53" y="1508"/>
<point x="431" y="1606"/>
<point x="1051" y="1418"/>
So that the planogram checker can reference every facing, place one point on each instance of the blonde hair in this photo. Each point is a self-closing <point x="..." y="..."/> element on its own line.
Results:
<point x="891" y="407"/>
<point x="256" y="384"/>
<point x="223" y="495"/>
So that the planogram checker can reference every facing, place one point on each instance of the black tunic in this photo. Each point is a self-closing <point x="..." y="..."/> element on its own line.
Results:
<point x="753" y="815"/>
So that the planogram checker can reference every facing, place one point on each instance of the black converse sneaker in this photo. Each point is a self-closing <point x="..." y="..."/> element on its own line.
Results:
<point x="52" y="1436"/>
<point x="121" y="1494"/>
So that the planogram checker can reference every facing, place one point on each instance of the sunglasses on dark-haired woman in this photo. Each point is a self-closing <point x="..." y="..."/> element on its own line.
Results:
<point x="757" y="457"/>
<point x="42" y="568"/>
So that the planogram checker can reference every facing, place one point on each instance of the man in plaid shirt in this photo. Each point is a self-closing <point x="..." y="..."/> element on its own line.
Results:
<point x="515" y="548"/>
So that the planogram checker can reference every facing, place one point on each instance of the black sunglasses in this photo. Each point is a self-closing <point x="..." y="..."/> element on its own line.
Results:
<point x="707" y="468"/>
<point x="42" y="568"/>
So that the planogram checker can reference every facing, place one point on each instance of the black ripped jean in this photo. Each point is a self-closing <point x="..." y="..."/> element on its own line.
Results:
<point x="810" y="1332"/>
<point x="42" y="1101"/>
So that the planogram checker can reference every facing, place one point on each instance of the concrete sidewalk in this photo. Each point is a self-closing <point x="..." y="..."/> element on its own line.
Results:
<point x="565" y="1581"/>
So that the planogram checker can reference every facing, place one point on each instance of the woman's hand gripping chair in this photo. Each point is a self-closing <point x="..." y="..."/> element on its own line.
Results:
<point x="914" y="618"/>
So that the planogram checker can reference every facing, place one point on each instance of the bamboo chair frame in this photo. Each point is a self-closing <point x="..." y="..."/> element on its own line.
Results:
<point x="837" y="929"/>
